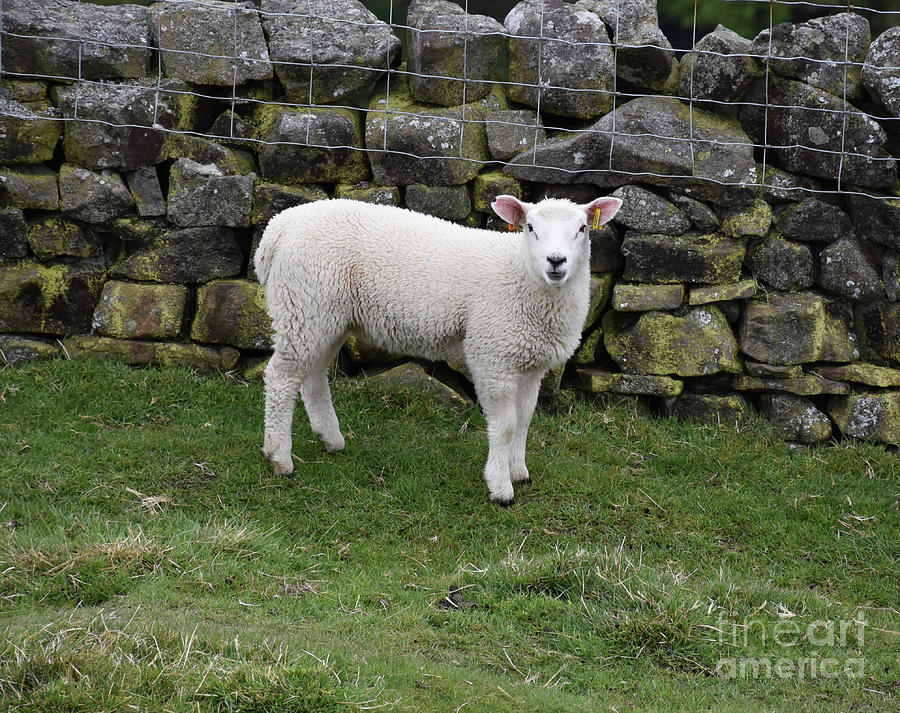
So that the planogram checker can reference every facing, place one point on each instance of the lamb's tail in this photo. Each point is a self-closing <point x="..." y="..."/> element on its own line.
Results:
<point x="265" y="253"/>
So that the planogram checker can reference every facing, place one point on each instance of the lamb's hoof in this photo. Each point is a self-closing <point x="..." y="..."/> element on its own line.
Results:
<point x="278" y="467"/>
<point x="503" y="502"/>
<point x="336" y="446"/>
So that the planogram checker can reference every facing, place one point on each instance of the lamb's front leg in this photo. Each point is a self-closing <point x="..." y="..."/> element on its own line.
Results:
<point x="498" y="401"/>
<point x="282" y="380"/>
<point x="526" y="399"/>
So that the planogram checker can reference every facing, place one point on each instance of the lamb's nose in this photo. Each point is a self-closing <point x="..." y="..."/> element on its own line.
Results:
<point x="555" y="262"/>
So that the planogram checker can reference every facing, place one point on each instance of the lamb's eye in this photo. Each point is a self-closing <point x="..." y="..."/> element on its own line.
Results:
<point x="582" y="229"/>
<point x="530" y="227"/>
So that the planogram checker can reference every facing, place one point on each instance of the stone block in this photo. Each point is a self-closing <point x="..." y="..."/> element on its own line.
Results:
<point x="48" y="299"/>
<point x="13" y="231"/>
<point x="784" y="328"/>
<point x="806" y="385"/>
<point x="644" y="57"/>
<point x="200" y="195"/>
<point x="751" y="221"/>
<point x="126" y="121"/>
<point x="130" y="351"/>
<point x="692" y="258"/>
<point x="367" y="193"/>
<point x="346" y="44"/>
<point x="28" y="134"/>
<point x="781" y="264"/>
<point x="745" y="289"/>
<point x="586" y="354"/>
<point x="878" y="329"/>
<point x="646" y="212"/>
<point x="16" y="350"/>
<point x="190" y="255"/>
<point x="868" y="415"/>
<point x="306" y="146"/>
<point x="416" y="143"/>
<point x="453" y="55"/>
<point x="774" y="371"/>
<point x="795" y="418"/>
<point x="861" y="373"/>
<point x="146" y="191"/>
<point x="29" y="188"/>
<point x="725" y="409"/>
<point x="130" y="310"/>
<point x="600" y="291"/>
<point x="643" y="297"/>
<point x="813" y="220"/>
<point x="719" y="68"/>
<point x="606" y="253"/>
<point x="448" y="202"/>
<point x="596" y="381"/>
<point x="702" y="217"/>
<point x="269" y="199"/>
<point x="693" y="151"/>
<point x="571" y="55"/>
<point x="232" y="312"/>
<point x="92" y="197"/>
<point x="413" y="376"/>
<point x="54" y="236"/>
<point x="881" y="71"/>
<point x="510" y="131"/>
<point x="487" y="186"/>
<point x="194" y="47"/>
<point x="850" y="270"/>
<point x="891" y="271"/>
<point x="698" y="344"/>
<point x="65" y="38"/>
<point x="876" y="219"/>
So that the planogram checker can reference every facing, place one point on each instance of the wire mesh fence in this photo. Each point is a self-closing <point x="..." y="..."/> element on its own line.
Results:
<point x="844" y="131"/>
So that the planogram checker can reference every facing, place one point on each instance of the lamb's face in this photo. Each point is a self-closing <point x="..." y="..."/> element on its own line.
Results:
<point x="557" y="243"/>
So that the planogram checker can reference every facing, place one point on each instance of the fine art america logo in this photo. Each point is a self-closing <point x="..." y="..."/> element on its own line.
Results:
<point x="819" y="649"/>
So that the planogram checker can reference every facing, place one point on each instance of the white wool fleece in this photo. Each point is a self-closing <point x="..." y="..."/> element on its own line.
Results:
<point x="510" y="305"/>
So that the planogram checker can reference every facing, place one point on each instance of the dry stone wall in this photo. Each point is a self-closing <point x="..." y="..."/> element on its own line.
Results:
<point x="754" y="263"/>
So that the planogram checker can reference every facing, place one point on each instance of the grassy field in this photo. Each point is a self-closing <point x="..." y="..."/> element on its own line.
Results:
<point x="150" y="560"/>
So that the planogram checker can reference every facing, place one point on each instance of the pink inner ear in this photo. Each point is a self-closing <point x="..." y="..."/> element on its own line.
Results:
<point x="509" y="208"/>
<point x="607" y="207"/>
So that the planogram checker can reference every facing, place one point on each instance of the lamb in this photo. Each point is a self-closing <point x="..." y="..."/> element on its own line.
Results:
<point x="508" y="305"/>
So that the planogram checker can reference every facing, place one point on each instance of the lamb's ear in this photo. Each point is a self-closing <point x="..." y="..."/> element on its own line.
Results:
<point x="602" y="210"/>
<point x="511" y="209"/>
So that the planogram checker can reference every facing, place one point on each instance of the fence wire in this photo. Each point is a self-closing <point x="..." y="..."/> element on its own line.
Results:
<point x="239" y="99"/>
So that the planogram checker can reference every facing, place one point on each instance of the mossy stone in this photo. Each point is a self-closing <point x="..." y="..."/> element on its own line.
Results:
<point x="48" y="299"/>
<point x="13" y="231"/>
<point x="878" y="328"/>
<point x="601" y="290"/>
<point x="586" y="354"/>
<point x="752" y="221"/>
<point x="232" y="312"/>
<point x="448" y="202"/>
<point x="93" y="197"/>
<point x="130" y="351"/>
<point x="487" y="186"/>
<point x="269" y="199"/>
<point x="862" y="373"/>
<point x="381" y="195"/>
<point x="413" y="376"/>
<point x="511" y="131"/>
<point x="596" y="381"/>
<point x="708" y="258"/>
<point x="698" y="344"/>
<point x="306" y="146"/>
<point x="742" y="290"/>
<point x="784" y="328"/>
<point x="805" y="385"/>
<point x="27" y="133"/>
<point x="200" y="194"/>
<point x="871" y="415"/>
<point x="140" y="311"/>
<point x="230" y="161"/>
<point x="796" y="418"/>
<point x="16" y="350"/>
<point x="643" y="298"/>
<point x="29" y="188"/>
<point x="727" y="409"/>
<point x="55" y="236"/>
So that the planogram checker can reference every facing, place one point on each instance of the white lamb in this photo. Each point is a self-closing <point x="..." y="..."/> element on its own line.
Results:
<point x="511" y="305"/>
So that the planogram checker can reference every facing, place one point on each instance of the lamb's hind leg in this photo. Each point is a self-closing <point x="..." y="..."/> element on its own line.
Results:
<point x="316" y="396"/>
<point x="526" y="399"/>
<point x="282" y="378"/>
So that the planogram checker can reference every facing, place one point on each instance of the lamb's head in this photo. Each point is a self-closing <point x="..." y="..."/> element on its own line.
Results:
<point x="556" y="232"/>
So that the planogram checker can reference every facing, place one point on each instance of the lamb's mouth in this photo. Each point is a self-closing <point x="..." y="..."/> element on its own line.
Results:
<point x="555" y="277"/>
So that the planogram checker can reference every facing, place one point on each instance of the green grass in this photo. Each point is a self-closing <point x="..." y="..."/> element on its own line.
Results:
<point x="149" y="560"/>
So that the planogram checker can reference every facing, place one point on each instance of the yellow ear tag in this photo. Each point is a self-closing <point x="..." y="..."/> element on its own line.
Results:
<point x="596" y="219"/>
